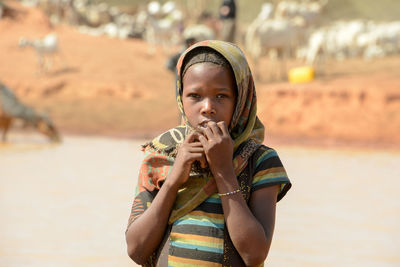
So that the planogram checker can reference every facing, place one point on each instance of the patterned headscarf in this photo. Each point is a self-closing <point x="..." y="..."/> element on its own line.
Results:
<point x="246" y="130"/>
<point x="244" y="123"/>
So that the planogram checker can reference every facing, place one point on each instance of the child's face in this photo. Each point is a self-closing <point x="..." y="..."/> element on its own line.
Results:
<point x="209" y="94"/>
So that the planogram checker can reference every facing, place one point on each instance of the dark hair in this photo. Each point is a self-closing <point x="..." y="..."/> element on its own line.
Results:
<point x="203" y="55"/>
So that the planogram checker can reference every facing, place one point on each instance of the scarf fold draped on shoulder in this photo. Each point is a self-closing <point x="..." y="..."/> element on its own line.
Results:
<point x="246" y="130"/>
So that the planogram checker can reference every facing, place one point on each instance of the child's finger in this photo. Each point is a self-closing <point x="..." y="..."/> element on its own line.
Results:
<point x="208" y="133"/>
<point x="201" y="131"/>
<point x="203" y="140"/>
<point x="203" y="161"/>
<point x="196" y="149"/>
<point x="195" y="144"/>
<point x="214" y="128"/>
<point x="222" y="126"/>
<point x="191" y="137"/>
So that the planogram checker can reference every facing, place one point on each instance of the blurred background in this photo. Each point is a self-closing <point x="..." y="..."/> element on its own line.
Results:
<point x="84" y="83"/>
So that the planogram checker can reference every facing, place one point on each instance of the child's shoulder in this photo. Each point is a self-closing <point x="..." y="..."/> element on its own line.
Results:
<point x="264" y="150"/>
<point x="264" y="155"/>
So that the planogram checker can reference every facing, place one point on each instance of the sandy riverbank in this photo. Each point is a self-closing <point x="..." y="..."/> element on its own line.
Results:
<point x="68" y="204"/>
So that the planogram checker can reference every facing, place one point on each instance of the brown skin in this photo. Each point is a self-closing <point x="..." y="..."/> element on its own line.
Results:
<point x="209" y="105"/>
<point x="250" y="227"/>
<point x="145" y="233"/>
<point x="211" y="99"/>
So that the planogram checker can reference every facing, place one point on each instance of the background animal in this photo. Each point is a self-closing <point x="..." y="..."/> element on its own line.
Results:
<point x="164" y="25"/>
<point x="12" y="108"/>
<point x="310" y="11"/>
<point x="280" y="31"/>
<point x="267" y="36"/>
<point x="45" y="48"/>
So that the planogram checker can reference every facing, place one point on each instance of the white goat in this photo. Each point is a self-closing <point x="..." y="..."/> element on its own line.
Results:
<point x="48" y="46"/>
<point x="266" y="35"/>
<point x="164" y="25"/>
<point x="198" y="32"/>
<point x="309" y="11"/>
<point x="356" y="38"/>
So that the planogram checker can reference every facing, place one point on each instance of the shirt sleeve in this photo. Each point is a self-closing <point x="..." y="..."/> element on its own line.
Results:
<point x="140" y="204"/>
<point x="269" y="171"/>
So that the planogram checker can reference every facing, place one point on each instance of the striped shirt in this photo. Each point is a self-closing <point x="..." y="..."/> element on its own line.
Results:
<point x="197" y="239"/>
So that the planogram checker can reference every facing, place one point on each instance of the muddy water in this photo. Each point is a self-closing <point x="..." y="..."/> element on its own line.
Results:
<point x="67" y="205"/>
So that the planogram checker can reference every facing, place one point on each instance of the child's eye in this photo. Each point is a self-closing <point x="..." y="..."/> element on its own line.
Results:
<point x="222" y="96"/>
<point x="193" y="95"/>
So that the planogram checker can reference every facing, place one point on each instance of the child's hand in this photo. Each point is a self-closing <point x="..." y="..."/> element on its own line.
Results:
<point x="218" y="147"/>
<point x="190" y="151"/>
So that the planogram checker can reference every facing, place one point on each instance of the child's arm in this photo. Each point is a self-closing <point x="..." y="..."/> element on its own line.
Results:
<point x="146" y="232"/>
<point x="249" y="228"/>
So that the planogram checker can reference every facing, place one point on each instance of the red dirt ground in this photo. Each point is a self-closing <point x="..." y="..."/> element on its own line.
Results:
<point x="113" y="87"/>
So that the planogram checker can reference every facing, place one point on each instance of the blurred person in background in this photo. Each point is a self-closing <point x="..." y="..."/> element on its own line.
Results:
<point x="204" y="29"/>
<point x="227" y="15"/>
<point x="173" y="60"/>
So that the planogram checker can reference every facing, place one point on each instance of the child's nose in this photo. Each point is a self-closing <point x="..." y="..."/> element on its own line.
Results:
<point x="208" y="107"/>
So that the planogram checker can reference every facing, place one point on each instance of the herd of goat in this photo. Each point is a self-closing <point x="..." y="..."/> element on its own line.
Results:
<point x="291" y="29"/>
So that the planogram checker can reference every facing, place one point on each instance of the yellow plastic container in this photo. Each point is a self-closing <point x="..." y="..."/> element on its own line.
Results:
<point x="301" y="74"/>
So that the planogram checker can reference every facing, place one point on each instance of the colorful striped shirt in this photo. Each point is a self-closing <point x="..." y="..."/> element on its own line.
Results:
<point x="197" y="239"/>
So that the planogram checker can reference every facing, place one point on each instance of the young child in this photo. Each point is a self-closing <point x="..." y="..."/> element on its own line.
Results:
<point x="207" y="189"/>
